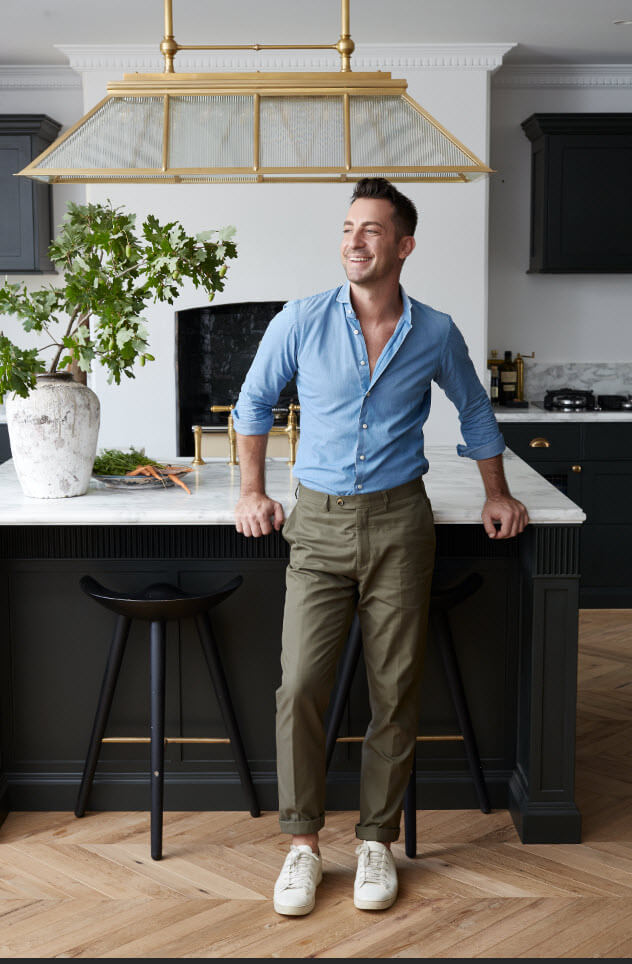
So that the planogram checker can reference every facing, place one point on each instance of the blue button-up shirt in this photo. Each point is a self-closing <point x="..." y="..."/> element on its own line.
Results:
<point x="363" y="432"/>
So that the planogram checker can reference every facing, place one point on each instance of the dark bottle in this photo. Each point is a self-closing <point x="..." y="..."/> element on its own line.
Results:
<point x="493" y="388"/>
<point x="508" y="374"/>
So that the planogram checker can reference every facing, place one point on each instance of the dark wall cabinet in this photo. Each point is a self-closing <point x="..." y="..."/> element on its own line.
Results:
<point x="26" y="223"/>
<point x="581" y="192"/>
<point x="591" y="462"/>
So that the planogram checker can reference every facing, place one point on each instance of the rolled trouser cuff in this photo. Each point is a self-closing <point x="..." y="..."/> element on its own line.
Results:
<point x="381" y="834"/>
<point x="302" y="826"/>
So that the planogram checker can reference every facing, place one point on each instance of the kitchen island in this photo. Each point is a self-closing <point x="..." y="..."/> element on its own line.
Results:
<point x="516" y="641"/>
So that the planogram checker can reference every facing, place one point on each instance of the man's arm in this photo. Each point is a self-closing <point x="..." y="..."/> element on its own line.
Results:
<point x="500" y="505"/>
<point x="254" y="509"/>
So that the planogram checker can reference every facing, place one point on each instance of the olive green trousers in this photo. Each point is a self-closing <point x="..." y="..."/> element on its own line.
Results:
<point x="375" y="550"/>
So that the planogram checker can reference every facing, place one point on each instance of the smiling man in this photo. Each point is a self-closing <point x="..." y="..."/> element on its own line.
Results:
<point x="362" y="533"/>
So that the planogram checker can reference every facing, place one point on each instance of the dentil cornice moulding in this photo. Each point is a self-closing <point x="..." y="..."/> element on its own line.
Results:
<point x="38" y="77"/>
<point x="520" y="76"/>
<point x="146" y="57"/>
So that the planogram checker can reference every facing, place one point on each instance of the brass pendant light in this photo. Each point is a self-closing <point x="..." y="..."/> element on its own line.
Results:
<point x="256" y="127"/>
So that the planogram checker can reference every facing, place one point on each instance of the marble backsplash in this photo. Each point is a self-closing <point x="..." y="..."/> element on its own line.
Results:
<point x="604" y="378"/>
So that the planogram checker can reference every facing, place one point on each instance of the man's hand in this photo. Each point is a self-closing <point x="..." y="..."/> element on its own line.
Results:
<point x="511" y="514"/>
<point x="253" y="513"/>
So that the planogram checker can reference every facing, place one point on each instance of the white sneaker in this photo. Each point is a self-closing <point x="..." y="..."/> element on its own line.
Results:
<point x="375" y="885"/>
<point x="295" y="889"/>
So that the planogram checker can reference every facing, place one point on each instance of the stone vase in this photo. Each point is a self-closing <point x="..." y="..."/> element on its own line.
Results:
<point x="53" y="436"/>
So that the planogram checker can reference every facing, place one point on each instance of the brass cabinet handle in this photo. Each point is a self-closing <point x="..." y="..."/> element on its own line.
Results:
<point x="539" y="443"/>
<point x="577" y="468"/>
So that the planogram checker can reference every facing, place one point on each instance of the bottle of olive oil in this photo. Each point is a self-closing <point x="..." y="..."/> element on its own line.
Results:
<point x="493" y="387"/>
<point x="508" y="374"/>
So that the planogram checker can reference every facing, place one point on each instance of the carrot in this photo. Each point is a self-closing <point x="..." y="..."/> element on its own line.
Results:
<point x="174" y="478"/>
<point x="151" y="471"/>
<point x="140" y="470"/>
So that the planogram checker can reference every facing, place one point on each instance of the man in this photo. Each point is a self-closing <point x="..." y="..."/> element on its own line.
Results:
<point x="362" y="531"/>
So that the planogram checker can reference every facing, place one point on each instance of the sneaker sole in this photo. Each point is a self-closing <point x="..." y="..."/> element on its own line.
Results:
<point x="289" y="911"/>
<point x="374" y="904"/>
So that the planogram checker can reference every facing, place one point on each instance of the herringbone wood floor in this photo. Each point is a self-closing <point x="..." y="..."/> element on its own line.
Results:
<point x="87" y="888"/>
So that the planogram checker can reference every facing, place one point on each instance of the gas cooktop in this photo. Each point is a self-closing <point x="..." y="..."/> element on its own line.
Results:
<point x="583" y="400"/>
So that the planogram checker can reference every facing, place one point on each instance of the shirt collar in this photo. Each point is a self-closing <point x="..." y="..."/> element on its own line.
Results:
<point x="344" y="297"/>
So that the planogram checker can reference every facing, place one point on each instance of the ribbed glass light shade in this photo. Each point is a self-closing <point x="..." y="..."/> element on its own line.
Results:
<point x="302" y="132"/>
<point x="388" y="131"/>
<point x="125" y="132"/>
<point x="211" y="131"/>
<point x="236" y="128"/>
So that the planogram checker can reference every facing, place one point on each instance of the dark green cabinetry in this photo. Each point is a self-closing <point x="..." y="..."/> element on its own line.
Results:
<point x="591" y="462"/>
<point x="581" y="192"/>
<point x="26" y="224"/>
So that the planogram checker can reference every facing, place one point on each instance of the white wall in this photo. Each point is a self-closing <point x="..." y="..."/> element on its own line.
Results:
<point x="562" y="318"/>
<point x="288" y="238"/>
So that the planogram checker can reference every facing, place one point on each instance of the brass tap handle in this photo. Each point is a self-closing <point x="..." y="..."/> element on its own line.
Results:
<point x="197" y="441"/>
<point x="232" y="434"/>
<point x="292" y="431"/>
<point x="539" y="443"/>
<point x="576" y="468"/>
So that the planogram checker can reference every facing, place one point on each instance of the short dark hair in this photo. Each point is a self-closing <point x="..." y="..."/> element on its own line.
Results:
<point x="405" y="213"/>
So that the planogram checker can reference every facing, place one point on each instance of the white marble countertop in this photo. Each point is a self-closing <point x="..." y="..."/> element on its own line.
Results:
<point x="453" y="485"/>
<point x="536" y="413"/>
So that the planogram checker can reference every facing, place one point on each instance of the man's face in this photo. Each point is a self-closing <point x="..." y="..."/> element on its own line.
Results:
<point x="371" y="250"/>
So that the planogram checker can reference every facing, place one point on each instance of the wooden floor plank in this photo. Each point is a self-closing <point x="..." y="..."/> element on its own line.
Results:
<point x="88" y="888"/>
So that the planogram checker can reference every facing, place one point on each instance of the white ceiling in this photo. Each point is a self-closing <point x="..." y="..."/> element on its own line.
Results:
<point x="546" y="31"/>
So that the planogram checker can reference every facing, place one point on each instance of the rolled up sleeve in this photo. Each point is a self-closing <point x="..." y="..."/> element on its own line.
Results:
<point x="273" y="367"/>
<point x="457" y="376"/>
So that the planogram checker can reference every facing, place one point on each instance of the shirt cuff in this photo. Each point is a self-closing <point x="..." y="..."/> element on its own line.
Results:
<point x="253" y="426"/>
<point x="486" y="451"/>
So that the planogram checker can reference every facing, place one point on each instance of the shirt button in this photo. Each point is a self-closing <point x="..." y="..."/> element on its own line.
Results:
<point x="358" y="486"/>
<point x="365" y="425"/>
<point x="362" y="458"/>
<point x="355" y="331"/>
<point x="363" y="362"/>
<point x="367" y="394"/>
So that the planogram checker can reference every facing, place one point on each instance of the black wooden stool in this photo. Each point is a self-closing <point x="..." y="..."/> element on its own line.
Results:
<point x="443" y="598"/>
<point x="158" y="603"/>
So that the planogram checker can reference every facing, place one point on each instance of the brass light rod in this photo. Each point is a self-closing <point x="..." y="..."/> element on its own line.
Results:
<point x="345" y="45"/>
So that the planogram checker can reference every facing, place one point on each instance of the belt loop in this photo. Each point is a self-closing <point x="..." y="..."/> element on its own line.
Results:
<point x="327" y="498"/>
<point x="296" y="490"/>
<point x="385" y="497"/>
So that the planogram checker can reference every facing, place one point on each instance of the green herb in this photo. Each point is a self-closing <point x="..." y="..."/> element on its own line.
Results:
<point x="116" y="462"/>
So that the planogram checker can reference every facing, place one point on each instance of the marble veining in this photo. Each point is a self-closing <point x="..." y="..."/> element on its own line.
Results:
<point x="453" y="485"/>
<point x="603" y="378"/>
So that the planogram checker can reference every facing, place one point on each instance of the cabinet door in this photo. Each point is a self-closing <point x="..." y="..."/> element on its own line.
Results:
<point x="543" y="441"/>
<point x="563" y="477"/>
<point x="17" y="240"/>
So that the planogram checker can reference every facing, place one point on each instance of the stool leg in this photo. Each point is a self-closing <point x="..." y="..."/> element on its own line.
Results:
<point x="115" y="657"/>
<point x="441" y="627"/>
<point x="220" y="685"/>
<point x="157" y="640"/>
<point x="410" y="811"/>
<point x="348" y="666"/>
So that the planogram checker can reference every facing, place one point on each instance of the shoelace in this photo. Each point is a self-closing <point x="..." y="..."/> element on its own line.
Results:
<point x="298" y="870"/>
<point x="372" y="865"/>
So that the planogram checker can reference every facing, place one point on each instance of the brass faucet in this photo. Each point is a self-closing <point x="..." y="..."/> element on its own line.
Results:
<point x="232" y="434"/>
<point x="291" y="430"/>
<point x="520" y="374"/>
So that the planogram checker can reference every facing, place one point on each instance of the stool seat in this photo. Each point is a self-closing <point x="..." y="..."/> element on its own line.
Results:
<point x="160" y="601"/>
<point x="156" y="604"/>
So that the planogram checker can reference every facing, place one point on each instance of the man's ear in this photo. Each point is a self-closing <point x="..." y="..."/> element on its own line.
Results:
<point x="406" y="246"/>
